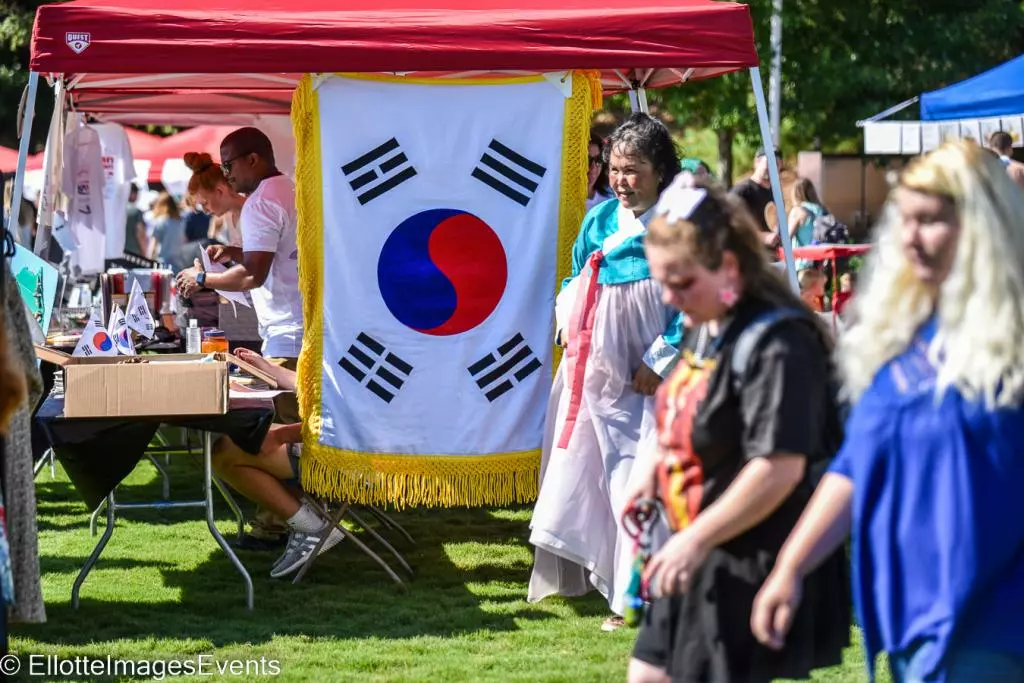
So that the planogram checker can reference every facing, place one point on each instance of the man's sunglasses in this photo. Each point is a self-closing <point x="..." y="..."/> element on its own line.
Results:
<point x="226" y="165"/>
<point x="595" y="160"/>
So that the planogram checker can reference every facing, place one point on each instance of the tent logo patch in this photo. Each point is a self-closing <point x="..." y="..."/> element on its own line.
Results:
<point x="78" y="42"/>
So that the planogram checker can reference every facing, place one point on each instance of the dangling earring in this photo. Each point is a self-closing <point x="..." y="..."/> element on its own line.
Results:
<point x="727" y="295"/>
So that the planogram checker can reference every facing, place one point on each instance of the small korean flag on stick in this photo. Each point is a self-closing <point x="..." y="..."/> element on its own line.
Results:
<point x="139" y="317"/>
<point x="95" y="340"/>
<point x="119" y="332"/>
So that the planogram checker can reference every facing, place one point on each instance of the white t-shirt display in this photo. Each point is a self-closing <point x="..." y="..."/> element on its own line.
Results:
<point x="82" y="183"/>
<point x="118" y="174"/>
<point x="269" y="223"/>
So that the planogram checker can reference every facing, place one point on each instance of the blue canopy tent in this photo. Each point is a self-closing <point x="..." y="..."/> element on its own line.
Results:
<point x="974" y="108"/>
<point x="996" y="92"/>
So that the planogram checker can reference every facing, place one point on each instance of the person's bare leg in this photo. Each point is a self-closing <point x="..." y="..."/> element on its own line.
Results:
<point x="642" y="672"/>
<point x="257" y="477"/>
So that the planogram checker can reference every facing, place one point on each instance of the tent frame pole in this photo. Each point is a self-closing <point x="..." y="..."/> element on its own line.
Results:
<point x="638" y="100"/>
<point x="773" y="173"/>
<point x="23" y="142"/>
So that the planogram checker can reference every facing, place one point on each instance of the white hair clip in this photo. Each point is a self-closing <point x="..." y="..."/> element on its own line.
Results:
<point x="680" y="199"/>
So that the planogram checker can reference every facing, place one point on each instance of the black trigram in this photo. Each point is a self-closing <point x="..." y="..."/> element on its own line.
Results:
<point x="374" y="367"/>
<point x="139" y="316"/>
<point x="494" y="372"/>
<point x="378" y="171"/>
<point x="509" y="172"/>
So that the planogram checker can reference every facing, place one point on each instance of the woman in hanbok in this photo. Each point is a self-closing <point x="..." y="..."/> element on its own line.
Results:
<point x="928" y="479"/>
<point x="620" y="341"/>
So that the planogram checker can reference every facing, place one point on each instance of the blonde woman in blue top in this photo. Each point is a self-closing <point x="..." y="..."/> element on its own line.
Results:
<point x="928" y="479"/>
<point x="621" y="339"/>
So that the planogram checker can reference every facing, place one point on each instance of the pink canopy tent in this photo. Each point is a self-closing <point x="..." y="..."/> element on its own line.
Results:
<point x="8" y="160"/>
<point x="199" y="139"/>
<point x="145" y="147"/>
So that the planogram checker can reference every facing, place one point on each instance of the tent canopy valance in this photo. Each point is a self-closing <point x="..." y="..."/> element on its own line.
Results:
<point x="161" y="57"/>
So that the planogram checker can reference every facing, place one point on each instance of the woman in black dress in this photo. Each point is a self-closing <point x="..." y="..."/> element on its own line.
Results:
<point x="745" y="423"/>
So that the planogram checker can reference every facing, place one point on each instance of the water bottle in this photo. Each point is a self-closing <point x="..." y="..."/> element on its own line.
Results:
<point x="193" y="337"/>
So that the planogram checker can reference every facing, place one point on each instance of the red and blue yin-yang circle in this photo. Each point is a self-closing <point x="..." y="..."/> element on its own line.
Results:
<point x="442" y="272"/>
<point x="101" y="340"/>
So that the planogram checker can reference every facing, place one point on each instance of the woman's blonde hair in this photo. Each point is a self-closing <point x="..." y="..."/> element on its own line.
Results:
<point x="166" y="206"/>
<point x="979" y="307"/>
<point x="721" y="223"/>
<point x="206" y="173"/>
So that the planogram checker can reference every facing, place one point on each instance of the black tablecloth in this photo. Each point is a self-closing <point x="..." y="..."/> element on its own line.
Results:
<point x="98" y="453"/>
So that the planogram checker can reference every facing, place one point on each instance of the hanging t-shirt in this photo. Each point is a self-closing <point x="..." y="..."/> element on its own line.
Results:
<point x="82" y="183"/>
<point x="269" y="223"/>
<point x="118" y="174"/>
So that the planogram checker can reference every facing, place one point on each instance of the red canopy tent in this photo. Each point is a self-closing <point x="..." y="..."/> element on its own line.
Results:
<point x="174" y="61"/>
<point x="226" y="61"/>
<point x="231" y="56"/>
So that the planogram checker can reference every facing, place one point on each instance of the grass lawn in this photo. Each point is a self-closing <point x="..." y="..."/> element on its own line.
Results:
<point x="163" y="590"/>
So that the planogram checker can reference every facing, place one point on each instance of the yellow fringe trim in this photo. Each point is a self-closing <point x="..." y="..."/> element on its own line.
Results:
<point x="394" y="479"/>
<point x="579" y="109"/>
<point x="422" y="480"/>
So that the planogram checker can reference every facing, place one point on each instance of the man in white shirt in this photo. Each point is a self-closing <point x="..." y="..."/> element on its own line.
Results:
<point x="266" y="266"/>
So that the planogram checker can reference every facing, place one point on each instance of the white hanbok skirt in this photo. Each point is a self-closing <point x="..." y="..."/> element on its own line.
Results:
<point x="576" y="525"/>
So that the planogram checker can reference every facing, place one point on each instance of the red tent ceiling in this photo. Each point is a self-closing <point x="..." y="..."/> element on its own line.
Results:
<point x="168" y="57"/>
<point x="8" y="159"/>
<point x="200" y="139"/>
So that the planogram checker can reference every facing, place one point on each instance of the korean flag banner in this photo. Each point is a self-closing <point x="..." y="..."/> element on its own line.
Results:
<point x="436" y="220"/>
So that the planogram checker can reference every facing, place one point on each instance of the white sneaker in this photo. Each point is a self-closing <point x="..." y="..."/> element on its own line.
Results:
<point x="300" y="548"/>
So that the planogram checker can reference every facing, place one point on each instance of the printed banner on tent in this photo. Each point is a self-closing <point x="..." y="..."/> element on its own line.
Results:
<point x="431" y="245"/>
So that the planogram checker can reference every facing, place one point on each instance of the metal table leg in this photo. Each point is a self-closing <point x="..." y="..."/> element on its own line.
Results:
<point x="95" y="515"/>
<point x="226" y="494"/>
<point x="163" y="473"/>
<point x="208" y="490"/>
<point x="100" y="545"/>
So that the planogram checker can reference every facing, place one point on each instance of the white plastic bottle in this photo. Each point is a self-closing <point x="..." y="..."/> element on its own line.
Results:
<point x="193" y="337"/>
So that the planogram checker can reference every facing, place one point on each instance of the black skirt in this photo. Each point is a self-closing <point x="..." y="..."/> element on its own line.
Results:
<point x="705" y="637"/>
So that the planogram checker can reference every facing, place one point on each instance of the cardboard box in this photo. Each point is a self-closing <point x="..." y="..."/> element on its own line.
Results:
<point x="166" y="385"/>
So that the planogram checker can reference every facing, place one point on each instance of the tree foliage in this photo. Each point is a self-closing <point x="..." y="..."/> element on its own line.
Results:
<point x="845" y="60"/>
<point x="15" y="34"/>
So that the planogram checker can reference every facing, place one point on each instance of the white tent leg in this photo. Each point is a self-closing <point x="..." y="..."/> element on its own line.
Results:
<point x="773" y="172"/>
<point x="638" y="100"/>
<point x="53" y="159"/>
<point x="26" y="133"/>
